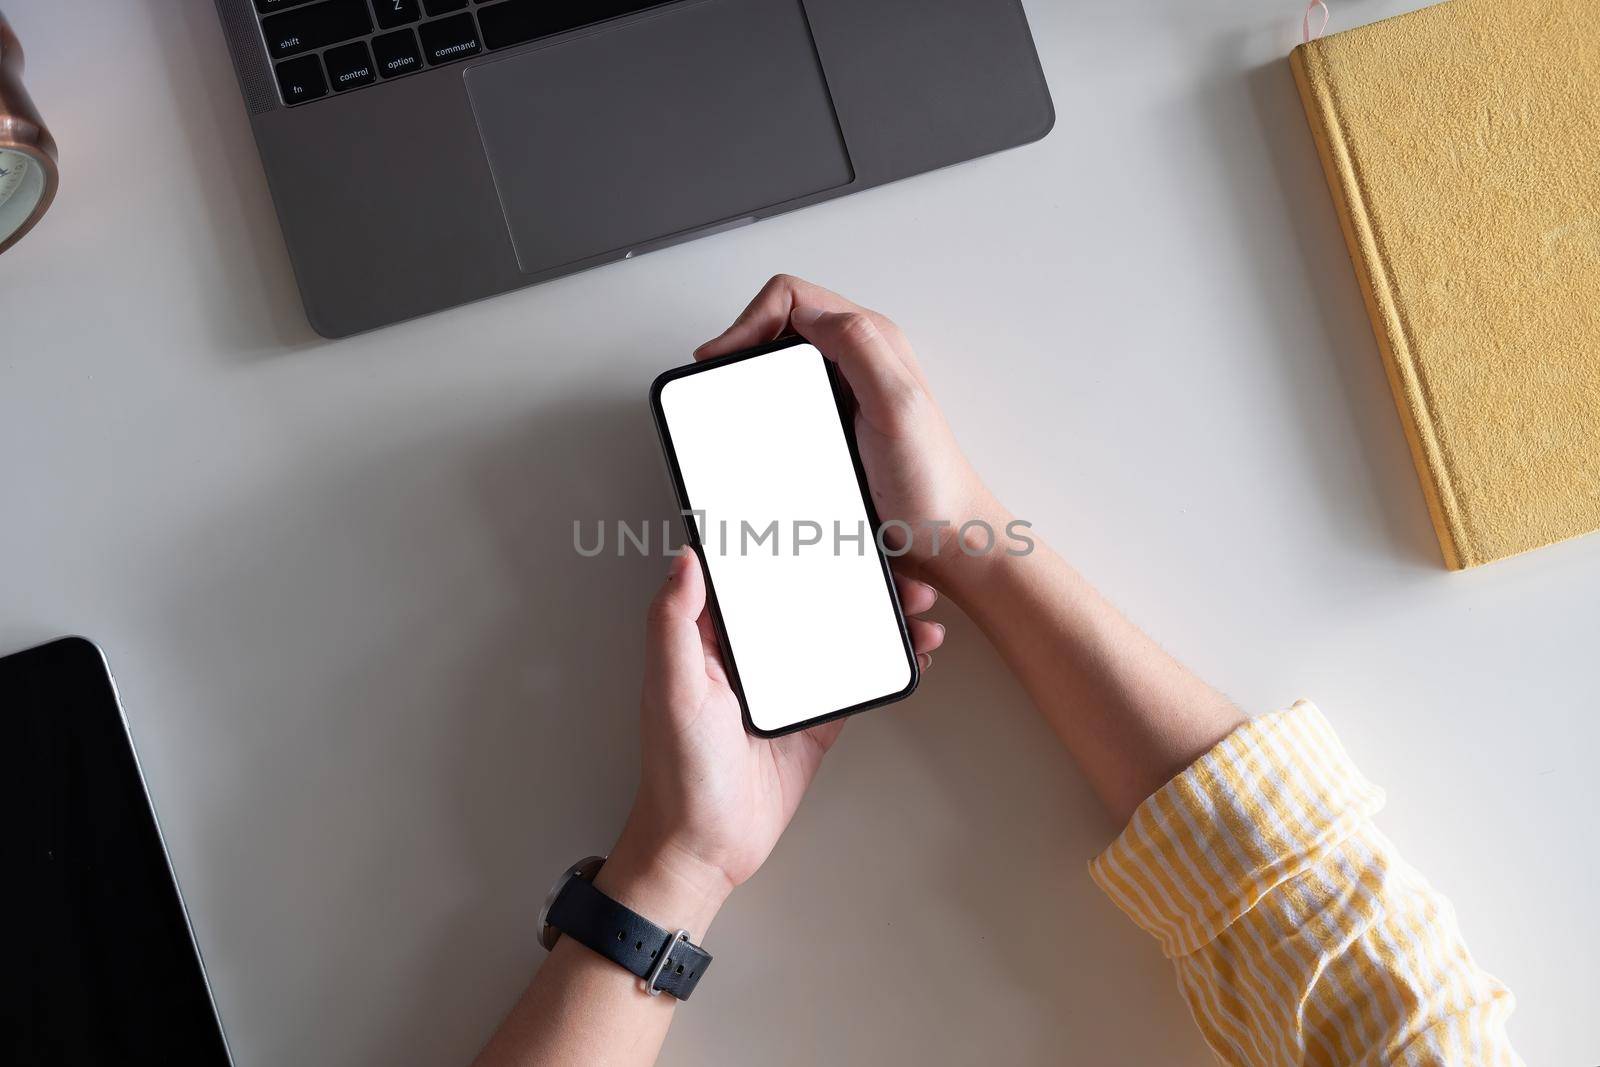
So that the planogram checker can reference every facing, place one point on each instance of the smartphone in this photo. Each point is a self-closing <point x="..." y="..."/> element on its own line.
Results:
<point x="101" y="964"/>
<point x="761" y="452"/>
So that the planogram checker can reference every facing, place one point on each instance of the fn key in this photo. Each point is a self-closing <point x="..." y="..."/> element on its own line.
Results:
<point x="301" y="80"/>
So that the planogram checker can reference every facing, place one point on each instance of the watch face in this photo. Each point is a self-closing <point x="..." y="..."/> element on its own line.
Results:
<point x="21" y="184"/>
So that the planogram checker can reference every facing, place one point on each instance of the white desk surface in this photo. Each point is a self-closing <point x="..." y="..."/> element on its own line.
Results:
<point x="380" y="701"/>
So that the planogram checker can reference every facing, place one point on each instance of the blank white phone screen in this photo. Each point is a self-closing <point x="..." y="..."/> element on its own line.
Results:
<point x="812" y="627"/>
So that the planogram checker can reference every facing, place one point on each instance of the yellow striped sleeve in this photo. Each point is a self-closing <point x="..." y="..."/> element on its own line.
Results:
<point x="1298" y="933"/>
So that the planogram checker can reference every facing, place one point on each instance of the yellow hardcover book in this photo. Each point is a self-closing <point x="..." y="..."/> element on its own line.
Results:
<point x="1462" y="145"/>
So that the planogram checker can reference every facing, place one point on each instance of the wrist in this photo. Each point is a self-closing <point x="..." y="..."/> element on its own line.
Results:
<point x="664" y="883"/>
<point x="989" y="539"/>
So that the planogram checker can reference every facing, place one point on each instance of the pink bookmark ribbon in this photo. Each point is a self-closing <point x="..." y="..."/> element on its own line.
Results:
<point x="1305" y="22"/>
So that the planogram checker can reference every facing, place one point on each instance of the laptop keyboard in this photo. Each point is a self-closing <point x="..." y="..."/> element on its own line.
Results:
<point x="323" y="47"/>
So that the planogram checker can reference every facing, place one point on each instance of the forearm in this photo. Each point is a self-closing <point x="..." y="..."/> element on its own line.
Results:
<point x="583" y="1009"/>
<point x="1129" y="714"/>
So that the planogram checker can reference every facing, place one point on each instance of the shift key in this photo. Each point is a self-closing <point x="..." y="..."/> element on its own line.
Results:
<point x="306" y="28"/>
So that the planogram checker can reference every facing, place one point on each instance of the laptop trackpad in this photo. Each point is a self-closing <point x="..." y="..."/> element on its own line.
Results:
<point x="678" y="120"/>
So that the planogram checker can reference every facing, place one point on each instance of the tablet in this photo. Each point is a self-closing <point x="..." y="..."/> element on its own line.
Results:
<point x="96" y="934"/>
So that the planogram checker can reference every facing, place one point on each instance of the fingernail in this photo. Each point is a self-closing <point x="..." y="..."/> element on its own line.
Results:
<point x="674" y="564"/>
<point x="924" y="660"/>
<point x="805" y="316"/>
<point x="940" y="625"/>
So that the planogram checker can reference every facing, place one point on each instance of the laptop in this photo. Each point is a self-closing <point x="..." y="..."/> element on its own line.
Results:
<point x="426" y="153"/>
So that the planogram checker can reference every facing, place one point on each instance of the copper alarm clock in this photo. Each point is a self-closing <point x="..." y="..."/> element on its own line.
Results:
<point x="28" y="174"/>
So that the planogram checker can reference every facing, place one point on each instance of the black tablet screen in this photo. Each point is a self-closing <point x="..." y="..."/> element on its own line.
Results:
<point x="99" y="965"/>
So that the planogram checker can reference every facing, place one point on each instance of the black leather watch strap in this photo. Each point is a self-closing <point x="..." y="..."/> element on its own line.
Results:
<point x="628" y="939"/>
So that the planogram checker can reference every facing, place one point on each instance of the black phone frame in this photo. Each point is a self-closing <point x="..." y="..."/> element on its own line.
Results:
<point x="844" y="402"/>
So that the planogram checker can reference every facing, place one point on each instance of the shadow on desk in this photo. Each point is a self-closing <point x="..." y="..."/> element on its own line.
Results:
<point x="238" y="252"/>
<point x="1329" y="367"/>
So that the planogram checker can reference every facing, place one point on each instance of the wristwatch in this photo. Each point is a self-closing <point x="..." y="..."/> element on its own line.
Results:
<point x="666" y="961"/>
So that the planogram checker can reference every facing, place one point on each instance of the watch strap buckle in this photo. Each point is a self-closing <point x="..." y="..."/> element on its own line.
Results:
<point x="662" y="959"/>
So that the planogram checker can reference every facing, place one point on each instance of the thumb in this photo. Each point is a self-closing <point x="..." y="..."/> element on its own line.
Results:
<point x="674" y="656"/>
<point x="884" y="388"/>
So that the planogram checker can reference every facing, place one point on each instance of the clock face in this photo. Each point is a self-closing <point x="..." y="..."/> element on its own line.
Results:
<point x="13" y="169"/>
<point x="21" y="185"/>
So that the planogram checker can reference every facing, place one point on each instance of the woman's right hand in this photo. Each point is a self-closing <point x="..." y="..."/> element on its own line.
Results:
<point x="917" y="472"/>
